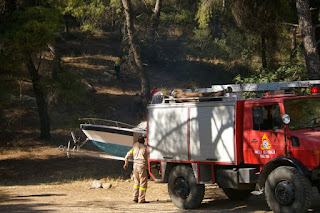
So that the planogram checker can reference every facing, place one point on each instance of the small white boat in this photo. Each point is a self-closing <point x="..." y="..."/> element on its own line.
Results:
<point x="115" y="139"/>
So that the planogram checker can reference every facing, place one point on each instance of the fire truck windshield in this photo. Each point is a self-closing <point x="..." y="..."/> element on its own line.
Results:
<point x="304" y="112"/>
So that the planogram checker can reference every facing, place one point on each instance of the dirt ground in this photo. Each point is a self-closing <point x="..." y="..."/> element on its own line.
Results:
<point x="40" y="178"/>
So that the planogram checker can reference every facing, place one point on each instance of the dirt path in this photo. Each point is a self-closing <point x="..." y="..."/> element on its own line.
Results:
<point x="42" y="179"/>
<point x="78" y="197"/>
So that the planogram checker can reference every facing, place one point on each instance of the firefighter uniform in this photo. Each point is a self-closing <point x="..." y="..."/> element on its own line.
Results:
<point x="117" y="65"/>
<point x="139" y="153"/>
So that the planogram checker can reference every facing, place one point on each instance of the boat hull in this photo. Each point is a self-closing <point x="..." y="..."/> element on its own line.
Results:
<point x="113" y="140"/>
<point x="113" y="149"/>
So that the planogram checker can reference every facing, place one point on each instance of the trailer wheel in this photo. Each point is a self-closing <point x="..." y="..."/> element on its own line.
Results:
<point x="287" y="190"/>
<point x="235" y="194"/>
<point x="183" y="188"/>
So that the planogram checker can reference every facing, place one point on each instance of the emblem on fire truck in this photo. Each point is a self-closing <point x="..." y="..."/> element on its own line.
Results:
<point x="265" y="142"/>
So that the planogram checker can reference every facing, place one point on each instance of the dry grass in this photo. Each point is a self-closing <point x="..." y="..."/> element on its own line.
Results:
<point x="89" y="62"/>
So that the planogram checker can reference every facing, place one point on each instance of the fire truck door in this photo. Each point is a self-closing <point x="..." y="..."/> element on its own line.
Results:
<point x="266" y="136"/>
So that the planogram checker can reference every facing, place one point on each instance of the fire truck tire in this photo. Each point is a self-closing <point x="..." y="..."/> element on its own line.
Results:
<point x="287" y="190"/>
<point x="183" y="189"/>
<point x="234" y="194"/>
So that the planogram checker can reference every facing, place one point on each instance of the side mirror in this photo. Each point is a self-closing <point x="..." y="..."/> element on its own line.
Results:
<point x="285" y="119"/>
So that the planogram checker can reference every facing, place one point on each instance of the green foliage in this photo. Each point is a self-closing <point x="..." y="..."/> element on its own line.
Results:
<point x="203" y="18"/>
<point x="208" y="9"/>
<point x="289" y="72"/>
<point x="10" y="60"/>
<point x="183" y="17"/>
<point x="255" y="16"/>
<point x="66" y="6"/>
<point x="231" y="46"/>
<point x="69" y="89"/>
<point x="287" y="11"/>
<point x="30" y="31"/>
<point x="33" y="28"/>
<point x="116" y="4"/>
<point x="90" y="14"/>
<point x="202" y="42"/>
<point x="94" y="14"/>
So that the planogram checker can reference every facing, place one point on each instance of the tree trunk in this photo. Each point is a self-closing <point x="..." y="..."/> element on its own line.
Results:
<point x="56" y="63"/>
<point x="309" y="38"/>
<point x="145" y="84"/>
<point x="293" y="32"/>
<point x="215" y="33"/>
<point x="263" y="52"/>
<point x="113" y="22"/>
<point x="155" y="25"/>
<point x="66" y="24"/>
<point x="223" y="5"/>
<point x="315" y="5"/>
<point x="40" y="98"/>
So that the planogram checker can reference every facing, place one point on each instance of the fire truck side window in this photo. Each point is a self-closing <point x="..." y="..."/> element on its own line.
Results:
<point x="266" y="117"/>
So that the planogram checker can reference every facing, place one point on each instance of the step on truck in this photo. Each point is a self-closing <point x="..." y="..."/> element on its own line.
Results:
<point x="271" y="143"/>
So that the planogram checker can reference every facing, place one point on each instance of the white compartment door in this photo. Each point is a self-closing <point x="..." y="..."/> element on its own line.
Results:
<point x="167" y="133"/>
<point x="212" y="133"/>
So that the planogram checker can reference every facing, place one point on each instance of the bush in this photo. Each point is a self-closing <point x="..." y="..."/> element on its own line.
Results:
<point x="288" y="72"/>
<point x="69" y="89"/>
<point x="183" y="18"/>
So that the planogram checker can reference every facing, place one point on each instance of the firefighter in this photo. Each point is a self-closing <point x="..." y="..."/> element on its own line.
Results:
<point x="117" y="65"/>
<point x="139" y="153"/>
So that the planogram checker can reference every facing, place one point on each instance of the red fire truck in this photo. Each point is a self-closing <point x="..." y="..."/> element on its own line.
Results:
<point x="270" y="143"/>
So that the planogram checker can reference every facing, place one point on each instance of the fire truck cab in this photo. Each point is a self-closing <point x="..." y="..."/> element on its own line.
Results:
<point x="270" y="143"/>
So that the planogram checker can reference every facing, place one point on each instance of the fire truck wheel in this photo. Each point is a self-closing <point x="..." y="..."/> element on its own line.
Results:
<point x="287" y="190"/>
<point x="183" y="188"/>
<point x="234" y="194"/>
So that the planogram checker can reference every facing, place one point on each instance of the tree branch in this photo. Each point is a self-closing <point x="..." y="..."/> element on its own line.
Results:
<point x="40" y="57"/>
<point x="289" y="24"/>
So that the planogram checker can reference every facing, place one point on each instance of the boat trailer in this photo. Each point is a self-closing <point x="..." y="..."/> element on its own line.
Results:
<point x="77" y="144"/>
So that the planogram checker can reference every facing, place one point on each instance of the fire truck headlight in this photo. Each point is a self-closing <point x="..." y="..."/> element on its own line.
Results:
<point x="285" y="119"/>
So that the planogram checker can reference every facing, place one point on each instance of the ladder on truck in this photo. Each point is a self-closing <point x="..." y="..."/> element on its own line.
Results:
<point x="256" y="87"/>
<point x="235" y="91"/>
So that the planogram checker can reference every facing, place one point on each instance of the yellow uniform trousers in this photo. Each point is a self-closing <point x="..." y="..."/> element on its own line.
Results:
<point x="140" y="182"/>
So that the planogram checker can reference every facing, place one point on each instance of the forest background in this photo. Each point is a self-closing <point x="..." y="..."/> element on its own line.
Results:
<point x="57" y="56"/>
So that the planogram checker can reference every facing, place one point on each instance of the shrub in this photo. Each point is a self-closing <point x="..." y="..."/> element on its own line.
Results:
<point x="69" y="89"/>
<point x="288" y="72"/>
